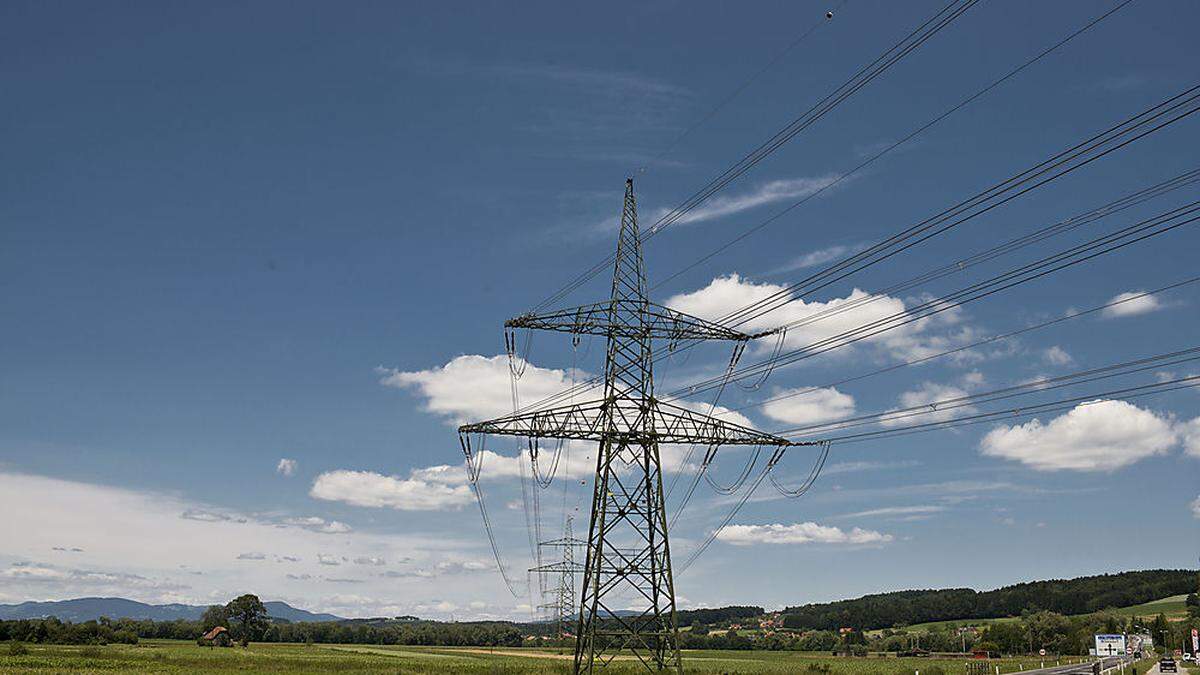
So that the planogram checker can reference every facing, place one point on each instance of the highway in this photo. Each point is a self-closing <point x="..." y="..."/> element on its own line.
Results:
<point x="1085" y="668"/>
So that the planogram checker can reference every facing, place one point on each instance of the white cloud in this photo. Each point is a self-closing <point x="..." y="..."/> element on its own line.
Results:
<point x="1057" y="356"/>
<point x="286" y="467"/>
<point x="898" y="511"/>
<point x="1142" y="305"/>
<point x="1190" y="433"/>
<point x="374" y="561"/>
<point x="819" y="257"/>
<point x="927" y="396"/>
<point x="328" y="560"/>
<point x="201" y="565"/>
<point x="1196" y="507"/>
<point x="1096" y="436"/>
<point x="922" y="337"/>
<point x="366" y="488"/>
<point x="766" y="193"/>
<point x="811" y="406"/>
<point x="473" y="387"/>
<point x="316" y="524"/>
<point x="853" y="467"/>
<point x="799" y="533"/>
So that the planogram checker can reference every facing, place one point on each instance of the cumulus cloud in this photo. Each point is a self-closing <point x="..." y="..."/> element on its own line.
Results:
<point x="1190" y="433"/>
<point x="370" y="560"/>
<point x="1057" y="356"/>
<point x="1095" y="436"/>
<point x="327" y="559"/>
<point x="929" y="394"/>
<point x="1196" y="507"/>
<point x="1128" y="307"/>
<point x="809" y="405"/>
<point x="800" y="533"/>
<point x="367" y="488"/>
<point x="285" y="467"/>
<point x="473" y="387"/>
<point x="823" y="320"/>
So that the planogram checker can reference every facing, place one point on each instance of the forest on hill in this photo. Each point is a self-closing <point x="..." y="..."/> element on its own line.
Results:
<point x="1063" y="596"/>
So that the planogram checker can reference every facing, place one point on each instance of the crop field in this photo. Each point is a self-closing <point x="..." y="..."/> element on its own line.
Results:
<point x="165" y="656"/>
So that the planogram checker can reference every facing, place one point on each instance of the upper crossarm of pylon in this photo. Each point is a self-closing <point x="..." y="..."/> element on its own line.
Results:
<point x="630" y="319"/>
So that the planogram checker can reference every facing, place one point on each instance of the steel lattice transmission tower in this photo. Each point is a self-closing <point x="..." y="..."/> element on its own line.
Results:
<point x="562" y="599"/>
<point x="628" y="556"/>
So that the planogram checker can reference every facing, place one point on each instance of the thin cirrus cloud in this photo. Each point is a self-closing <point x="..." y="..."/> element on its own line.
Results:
<point x="764" y="194"/>
<point x="213" y="554"/>
<point x="800" y="533"/>
<point x="899" y="512"/>
<point x="819" y="257"/>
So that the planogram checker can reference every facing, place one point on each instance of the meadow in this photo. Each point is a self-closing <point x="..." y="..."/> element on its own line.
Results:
<point x="1172" y="607"/>
<point x="170" y="656"/>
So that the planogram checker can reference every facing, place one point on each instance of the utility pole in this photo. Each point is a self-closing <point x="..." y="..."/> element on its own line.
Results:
<point x="562" y="602"/>
<point x="628" y="597"/>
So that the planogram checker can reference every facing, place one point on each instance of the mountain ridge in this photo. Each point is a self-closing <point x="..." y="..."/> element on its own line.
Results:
<point x="92" y="608"/>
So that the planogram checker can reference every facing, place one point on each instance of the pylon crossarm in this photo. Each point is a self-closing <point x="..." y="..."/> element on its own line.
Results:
<point x="598" y="319"/>
<point x="625" y="422"/>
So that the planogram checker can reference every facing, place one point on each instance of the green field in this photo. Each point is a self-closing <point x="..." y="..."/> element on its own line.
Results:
<point x="166" y="656"/>
<point x="1172" y="607"/>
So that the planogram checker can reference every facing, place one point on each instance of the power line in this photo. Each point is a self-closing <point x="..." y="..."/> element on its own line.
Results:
<point x="1081" y="154"/>
<point x="860" y="79"/>
<point x="1123" y="394"/>
<point x="945" y="405"/>
<point x="743" y="86"/>
<point x="1099" y="145"/>
<point x="913" y="134"/>
<point x="979" y="343"/>
<point x="1102" y="245"/>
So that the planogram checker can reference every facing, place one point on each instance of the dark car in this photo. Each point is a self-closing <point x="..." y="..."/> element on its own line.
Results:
<point x="1167" y="665"/>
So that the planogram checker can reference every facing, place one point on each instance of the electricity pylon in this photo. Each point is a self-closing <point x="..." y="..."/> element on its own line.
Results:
<point x="628" y="557"/>
<point x="562" y="602"/>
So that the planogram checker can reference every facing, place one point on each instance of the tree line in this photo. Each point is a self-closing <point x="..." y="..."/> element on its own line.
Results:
<point x="1068" y="596"/>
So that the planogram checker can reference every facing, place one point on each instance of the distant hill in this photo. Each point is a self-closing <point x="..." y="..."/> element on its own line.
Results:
<point x="1065" y="596"/>
<point x="88" y="609"/>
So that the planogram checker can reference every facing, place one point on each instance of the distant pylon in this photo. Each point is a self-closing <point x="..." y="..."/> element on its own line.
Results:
<point x="562" y="595"/>
<point x="628" y="596"/>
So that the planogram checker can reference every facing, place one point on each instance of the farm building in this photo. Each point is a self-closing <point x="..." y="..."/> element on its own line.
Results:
<point x="217" y="637"/>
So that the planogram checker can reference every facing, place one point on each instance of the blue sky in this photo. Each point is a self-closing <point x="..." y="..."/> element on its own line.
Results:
<point x="232" y="235"/>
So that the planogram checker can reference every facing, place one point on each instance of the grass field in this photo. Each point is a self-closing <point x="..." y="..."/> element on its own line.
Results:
<point x="165" y="656"/>
<point x="1172" y="607"/>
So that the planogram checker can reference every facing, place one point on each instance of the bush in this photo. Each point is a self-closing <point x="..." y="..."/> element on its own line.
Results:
<point x="17" y="649"/>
